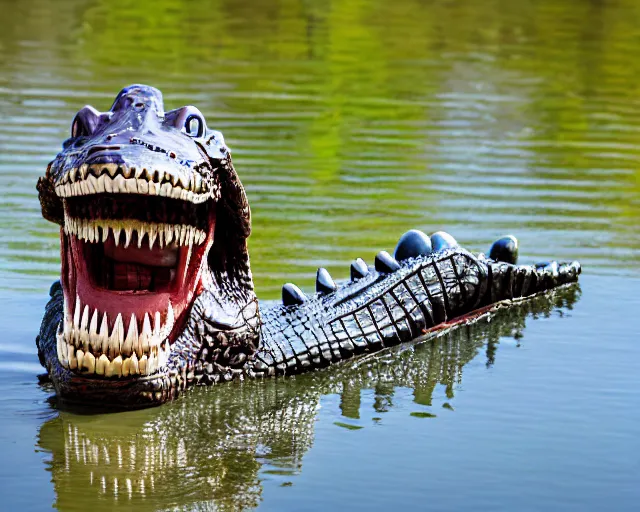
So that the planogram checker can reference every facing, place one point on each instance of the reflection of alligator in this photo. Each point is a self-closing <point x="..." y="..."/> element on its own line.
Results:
<point x="211" y="446"/>
<point x="156" y="290"/>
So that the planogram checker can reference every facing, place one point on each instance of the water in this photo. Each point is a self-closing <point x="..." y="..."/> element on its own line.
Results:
<point x="351" y="122"/>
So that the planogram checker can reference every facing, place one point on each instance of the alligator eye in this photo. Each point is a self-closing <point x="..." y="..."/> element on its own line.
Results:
<point x="188" y="120"/>
<point x="194" y="126"/>
<point x="85" y="122"/>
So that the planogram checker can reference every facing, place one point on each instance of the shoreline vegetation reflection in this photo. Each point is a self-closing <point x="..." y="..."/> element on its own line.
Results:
<point x="477" y="127"/>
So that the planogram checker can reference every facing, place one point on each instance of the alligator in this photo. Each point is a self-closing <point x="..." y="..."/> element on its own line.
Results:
<point x="156" y="293"/>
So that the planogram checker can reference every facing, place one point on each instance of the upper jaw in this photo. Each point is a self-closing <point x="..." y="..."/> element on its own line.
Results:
<point x="124" y="178"/>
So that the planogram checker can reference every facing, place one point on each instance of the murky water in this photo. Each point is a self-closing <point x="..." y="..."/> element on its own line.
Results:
<point x="351" y="122"/>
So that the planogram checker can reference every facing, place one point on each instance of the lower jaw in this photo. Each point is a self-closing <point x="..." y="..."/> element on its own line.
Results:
<point x="118" y="394"/>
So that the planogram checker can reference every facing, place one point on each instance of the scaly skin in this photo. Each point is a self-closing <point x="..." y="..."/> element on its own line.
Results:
<point x="136" y="151"/>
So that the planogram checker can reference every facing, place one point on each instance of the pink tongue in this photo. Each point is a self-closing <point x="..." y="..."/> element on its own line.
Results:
<point x="153" y="257"/>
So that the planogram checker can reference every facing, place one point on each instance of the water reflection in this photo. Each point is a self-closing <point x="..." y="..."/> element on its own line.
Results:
<point x="213" y="447"/>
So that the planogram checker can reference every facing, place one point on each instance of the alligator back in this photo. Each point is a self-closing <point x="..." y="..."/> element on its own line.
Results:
<point x="384" y="309"/>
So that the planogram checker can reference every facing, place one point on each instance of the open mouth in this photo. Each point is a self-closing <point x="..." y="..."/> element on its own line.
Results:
<point x="131" y="264"/>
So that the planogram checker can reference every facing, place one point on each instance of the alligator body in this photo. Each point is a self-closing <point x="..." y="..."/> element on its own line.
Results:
<point x="156" y="292"/>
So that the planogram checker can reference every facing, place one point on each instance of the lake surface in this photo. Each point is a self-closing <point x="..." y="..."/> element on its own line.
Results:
<point x="350" y="123"/>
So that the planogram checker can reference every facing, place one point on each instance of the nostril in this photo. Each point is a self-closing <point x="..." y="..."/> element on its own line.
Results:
<point x="97" y="149"/>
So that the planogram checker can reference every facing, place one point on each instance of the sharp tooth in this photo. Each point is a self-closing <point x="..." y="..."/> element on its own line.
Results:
<point x="165" y="189"/>
<point x="82" y="171"/>
<point x="146" y="335"/>
<point x="128" y="231"/>
<point x="76" y="314"/>
<point x="133" y="365"/>
<point x="127" y="171"/>
<point x="73" y="362"/>
<point x="116" y="234"/>
<point x="80" y="358"/>
<point x="67" y="329"/>
<point x="61" y="348"/>
<point x="126" y="365"/>
<point x="168" y="233"/>
<point x="132" y="336"/>
<point x="153" y="188"/>
<point x="101" y="364"/>
<point x="84" y="324"/>
<point x="160" y="236"/>
<point x="114" y="368"/>
<point x="137" y="172"/>
<point x="186" y="266"/>
<point x="100" y="183"/>
<point x="105" y="233"/>
<point x="156" y="325"/>
<point x="142" y="365"/>
<point x="119" y="184"/>
<point x="117" y="336"/>
<point x="89" y="362"/>
<point x="153" y="234"/>
<point x="162" y="358"/>
<point x="131" y="186"/>
<point x="175" y="192"/>
<point x="183" y="181"/>
<point x="103" y="337"/>
<point x="198" y="186"/>
<point x="143" y="187"/>
<point x="93" y="326"/>
<point x="151" y="364"/>
<point x="66" y="321"/>
<point x="168" y="326"/>
<point x="141" y="231"/>
<point x="108" y="184"/>
<point x="72" y="174"/>
<point x="91" y="184"/>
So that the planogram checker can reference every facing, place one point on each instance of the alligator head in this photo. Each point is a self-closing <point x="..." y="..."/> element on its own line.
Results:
<point x="153" y="228"/>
